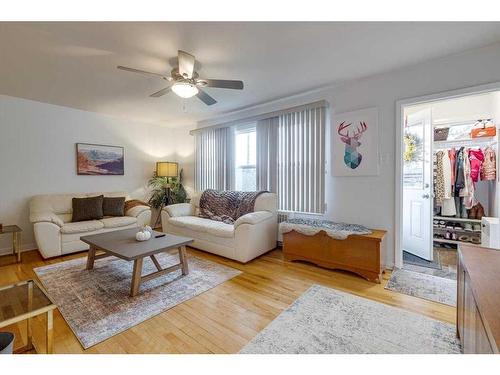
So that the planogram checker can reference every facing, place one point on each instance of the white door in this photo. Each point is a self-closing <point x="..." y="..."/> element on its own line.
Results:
<point x="417" y="185"/>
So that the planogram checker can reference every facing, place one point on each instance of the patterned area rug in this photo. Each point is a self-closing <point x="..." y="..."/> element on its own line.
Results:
<point x="416" y="284"/>
<point x="327" y="321"/>
<point x="96" y="304"/>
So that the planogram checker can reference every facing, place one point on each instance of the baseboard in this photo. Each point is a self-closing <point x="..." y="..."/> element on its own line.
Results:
<point x="24" y="247"/>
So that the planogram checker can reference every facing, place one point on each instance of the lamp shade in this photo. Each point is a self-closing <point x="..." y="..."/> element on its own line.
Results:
<point x="167" y="169"/>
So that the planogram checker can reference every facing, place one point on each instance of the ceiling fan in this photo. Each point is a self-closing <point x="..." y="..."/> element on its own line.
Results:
<point x="185" y="82"/>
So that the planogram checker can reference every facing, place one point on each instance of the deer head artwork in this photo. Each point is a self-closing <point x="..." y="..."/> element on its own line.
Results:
<point x="352" y="158"/>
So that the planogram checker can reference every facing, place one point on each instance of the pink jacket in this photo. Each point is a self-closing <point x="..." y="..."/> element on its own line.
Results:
<point x="476" y="158"/>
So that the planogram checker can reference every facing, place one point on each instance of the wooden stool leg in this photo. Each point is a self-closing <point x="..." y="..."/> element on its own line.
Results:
<point x="183" y="259"/>
<point x="136" y="277"/>
<point x="91" y="258"/>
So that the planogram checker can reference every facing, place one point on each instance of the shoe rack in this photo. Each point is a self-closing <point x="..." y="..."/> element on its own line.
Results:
<point x="459" y="230"/>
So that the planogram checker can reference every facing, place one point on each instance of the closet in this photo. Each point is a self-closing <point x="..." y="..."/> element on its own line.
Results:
<point x="450" y="193"/>
<point x="464" y="179"/>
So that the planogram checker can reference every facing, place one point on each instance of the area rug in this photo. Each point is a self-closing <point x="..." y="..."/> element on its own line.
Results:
<point x="409" y="258"/>
<point x="96" y="304"/>
<point x="327" y="321"/>
<point x="416" y="284"/>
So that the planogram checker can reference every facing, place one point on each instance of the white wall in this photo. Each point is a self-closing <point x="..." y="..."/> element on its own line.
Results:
<point x="37" y="155"/>
<point x="371" y="200"/>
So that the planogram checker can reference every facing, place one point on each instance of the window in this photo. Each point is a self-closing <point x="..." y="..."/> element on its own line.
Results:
<point x="245" y="158"/>
<point x="284" y="154"/>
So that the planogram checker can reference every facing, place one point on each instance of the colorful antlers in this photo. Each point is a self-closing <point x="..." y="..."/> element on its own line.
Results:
<point x="343" y="126"/>
<point x="359" y="130"/>
<point x="362" y="130"/>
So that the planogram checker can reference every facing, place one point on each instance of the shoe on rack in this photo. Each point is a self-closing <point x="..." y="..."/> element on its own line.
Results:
<point x="458" y="227"/>
<point x="464" y="238"/>
<point x="476" y="227"/>
<point x="468" y="227"/>
<point x="475" y="240"/>
<point x="447" y="236"/>
<point x="454" y="236"/>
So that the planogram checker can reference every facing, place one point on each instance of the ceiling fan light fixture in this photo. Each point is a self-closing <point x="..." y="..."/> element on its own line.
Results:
<point x="184" y="89"/>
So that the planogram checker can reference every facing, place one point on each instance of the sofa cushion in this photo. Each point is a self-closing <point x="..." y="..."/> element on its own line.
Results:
<point x="216" y="228"/>
<point x="82" y="226"/>
<point x="87" y="208"/>
<point x="116" y="222"/>
<point x="113" y="206"/>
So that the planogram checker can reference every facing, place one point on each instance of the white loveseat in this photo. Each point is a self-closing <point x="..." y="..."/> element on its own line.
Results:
<point x="251" y="235"/>
<point x="56" y="235"/>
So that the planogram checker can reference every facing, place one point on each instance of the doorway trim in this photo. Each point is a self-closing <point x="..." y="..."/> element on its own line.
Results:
<point x="400" y="105"/>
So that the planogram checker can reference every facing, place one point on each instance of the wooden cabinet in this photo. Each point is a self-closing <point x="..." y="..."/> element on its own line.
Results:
<point x="478" y="299"/>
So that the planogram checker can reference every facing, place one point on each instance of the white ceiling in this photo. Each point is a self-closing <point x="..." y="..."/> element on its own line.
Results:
<point x="74" y="64"/>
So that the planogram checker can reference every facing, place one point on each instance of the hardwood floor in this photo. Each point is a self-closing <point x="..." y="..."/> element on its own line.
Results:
<point x="225" y="318"/>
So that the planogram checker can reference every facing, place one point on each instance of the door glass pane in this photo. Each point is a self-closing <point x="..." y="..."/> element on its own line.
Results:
<point x="413" y="156"/>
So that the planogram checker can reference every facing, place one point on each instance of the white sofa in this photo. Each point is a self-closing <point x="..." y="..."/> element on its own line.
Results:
<point x="56" y="235"/>
<point x="251" y="235"/>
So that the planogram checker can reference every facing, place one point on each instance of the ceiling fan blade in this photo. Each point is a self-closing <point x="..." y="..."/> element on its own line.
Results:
<point x="205" y="98"/>
<point x="224" y="84"/>
<point x="142" y="72"/>
<point x="186" y="64"/>
<point x="161" y="92"/>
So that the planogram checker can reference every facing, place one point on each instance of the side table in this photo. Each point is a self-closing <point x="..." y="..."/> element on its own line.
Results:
<point x="16" y="239"/>
<point x="23" y="301"/>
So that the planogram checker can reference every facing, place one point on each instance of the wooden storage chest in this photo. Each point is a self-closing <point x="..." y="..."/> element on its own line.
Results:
<point x="361" y="254"/>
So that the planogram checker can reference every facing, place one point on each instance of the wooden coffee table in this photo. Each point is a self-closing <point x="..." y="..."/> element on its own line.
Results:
<point x="122" y="244"/>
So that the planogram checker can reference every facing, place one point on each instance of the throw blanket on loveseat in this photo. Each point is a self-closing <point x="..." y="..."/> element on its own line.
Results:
<point x="227" y="206"/>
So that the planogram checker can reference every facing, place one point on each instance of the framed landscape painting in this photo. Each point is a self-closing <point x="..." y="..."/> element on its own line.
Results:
<point x="99" y="159"/>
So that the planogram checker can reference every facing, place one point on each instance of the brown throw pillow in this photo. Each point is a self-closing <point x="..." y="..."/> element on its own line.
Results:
<point x="87" y="208"/>
<point x="113" y="206"/>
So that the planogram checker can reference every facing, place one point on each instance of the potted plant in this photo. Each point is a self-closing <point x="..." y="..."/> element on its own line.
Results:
<point x="160" y="187"/>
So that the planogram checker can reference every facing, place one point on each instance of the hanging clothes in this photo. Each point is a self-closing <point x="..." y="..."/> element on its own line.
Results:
<point x="488" y="168"/>
<point x="439" y="179"/>
<point x="459" y="181"/>
<point x="448" y="203"/>
<point x="459" y="171"/>
<point x="467" y="192"/>
<point x="452" y="155"/>
<point x="476" y="158"/>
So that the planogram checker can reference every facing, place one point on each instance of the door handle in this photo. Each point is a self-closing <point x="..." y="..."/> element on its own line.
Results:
<point x="426" y="196"/>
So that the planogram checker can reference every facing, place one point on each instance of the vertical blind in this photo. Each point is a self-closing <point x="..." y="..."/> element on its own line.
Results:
<point x="290" y="157"/>
<point x="267" y="154"/>
<point x="213" y="159"/>
<point x="301" y="161"/>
